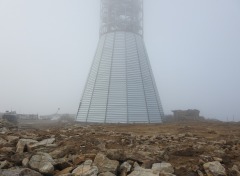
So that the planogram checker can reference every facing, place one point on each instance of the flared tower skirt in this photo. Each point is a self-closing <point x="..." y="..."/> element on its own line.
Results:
<point x="120" y="87"/>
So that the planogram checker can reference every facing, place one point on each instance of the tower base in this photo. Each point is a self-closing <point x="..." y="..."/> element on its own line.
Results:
<point x="120" y="86"/>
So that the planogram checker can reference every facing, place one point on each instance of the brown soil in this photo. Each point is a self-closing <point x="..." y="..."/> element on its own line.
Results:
<point x="187" y="146"/>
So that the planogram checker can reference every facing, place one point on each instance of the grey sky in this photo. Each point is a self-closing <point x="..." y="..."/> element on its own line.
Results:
<point x="47" y="46"/>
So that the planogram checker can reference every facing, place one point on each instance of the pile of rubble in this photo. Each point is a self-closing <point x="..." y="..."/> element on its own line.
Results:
<point x="99" y="151"/>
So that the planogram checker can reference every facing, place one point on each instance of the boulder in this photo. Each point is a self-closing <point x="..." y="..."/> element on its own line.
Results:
<point x="104" y="164"/>
<point x="163" y="167"/>
<point x="23" y="144"/>
<point x="42" y="162"/>
<point x="214" y="169"/>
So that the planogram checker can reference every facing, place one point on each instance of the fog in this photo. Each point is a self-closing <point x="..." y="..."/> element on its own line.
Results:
<point x="47" y="47"/>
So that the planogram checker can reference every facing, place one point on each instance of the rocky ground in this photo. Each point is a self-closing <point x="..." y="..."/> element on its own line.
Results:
<point x="182" y="149"/>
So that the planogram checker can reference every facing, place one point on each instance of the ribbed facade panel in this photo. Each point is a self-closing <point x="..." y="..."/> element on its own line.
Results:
<point x="85" y="103"/>
<point x="120" y="87"/>
<point x="117" y="100"/>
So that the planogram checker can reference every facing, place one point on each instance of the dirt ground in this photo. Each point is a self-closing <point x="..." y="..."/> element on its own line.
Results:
<point x="186" y="145"/>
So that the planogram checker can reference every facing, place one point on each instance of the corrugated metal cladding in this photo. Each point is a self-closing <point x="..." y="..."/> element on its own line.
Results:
<point x="120" y="87"/>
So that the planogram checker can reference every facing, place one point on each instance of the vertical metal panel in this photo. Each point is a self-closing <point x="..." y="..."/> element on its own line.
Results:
<point x="149" y="84"/>
<point x="153" y="81"/>
<point x="117" y="106"/>
<point x="137" y="110"/>
<point x="87" y="94"/>
<point x="97" y="109"/>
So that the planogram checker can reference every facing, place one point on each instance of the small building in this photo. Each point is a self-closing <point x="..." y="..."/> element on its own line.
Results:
<point x="186" y="115"/>
<point x="11" y="117"/>
<point x="28" y="116"/>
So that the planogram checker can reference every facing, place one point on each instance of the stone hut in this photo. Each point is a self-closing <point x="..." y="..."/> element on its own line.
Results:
<point x="186" y="115"/>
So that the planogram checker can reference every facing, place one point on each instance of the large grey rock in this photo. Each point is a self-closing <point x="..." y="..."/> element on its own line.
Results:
<point x="214" y="169"/>
<point x="163" y="167"/>
<point x="42" y="162"/>
<point x="86" y="169"/>
<point x="19" y="172"/>
<point x="22" y="143"/>
<point x="104" y="164"/>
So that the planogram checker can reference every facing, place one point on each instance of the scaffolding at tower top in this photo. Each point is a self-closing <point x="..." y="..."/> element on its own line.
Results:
<point x="121" y="15"/>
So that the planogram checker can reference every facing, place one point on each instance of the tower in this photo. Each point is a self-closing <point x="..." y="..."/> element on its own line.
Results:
<point x="120" y="87"/>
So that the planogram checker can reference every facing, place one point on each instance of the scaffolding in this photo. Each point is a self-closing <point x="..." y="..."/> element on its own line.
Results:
<point x="121" y="15"/>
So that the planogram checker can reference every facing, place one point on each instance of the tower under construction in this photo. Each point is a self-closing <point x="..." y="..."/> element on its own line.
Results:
<point x="121" y="87"/>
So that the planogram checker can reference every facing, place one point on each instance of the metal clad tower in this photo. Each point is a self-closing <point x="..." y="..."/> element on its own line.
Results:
<point x="120" y="87"/>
